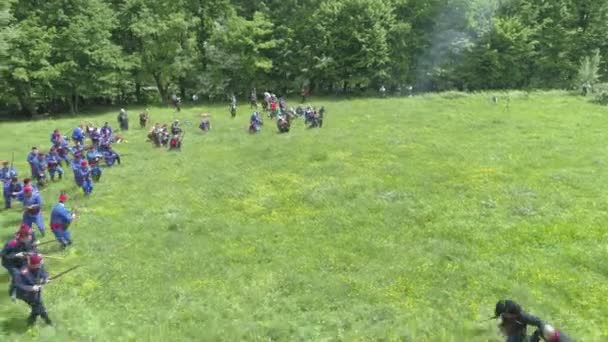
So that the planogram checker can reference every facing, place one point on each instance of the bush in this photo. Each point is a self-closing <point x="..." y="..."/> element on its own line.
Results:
<point x="601" y="94"/>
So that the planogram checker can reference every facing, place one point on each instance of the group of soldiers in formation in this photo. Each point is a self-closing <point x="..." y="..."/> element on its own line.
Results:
<point x="20" y="255"/>
<point x="24" y="262"/>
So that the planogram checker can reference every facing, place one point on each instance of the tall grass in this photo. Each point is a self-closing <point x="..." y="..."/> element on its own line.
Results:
<point x="401" y="219"/>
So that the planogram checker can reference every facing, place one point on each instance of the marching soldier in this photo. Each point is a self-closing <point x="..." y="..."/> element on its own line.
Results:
<point x="32" y="208"/>
<point x="61" y="218"/>
<point x="14" y="255"/>
<point x="28" y="282"/>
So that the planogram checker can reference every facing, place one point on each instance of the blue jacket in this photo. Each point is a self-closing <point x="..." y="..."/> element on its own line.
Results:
<point x="31" y="157"/>
<point x="40" y="165"/>
<point x="84" y="172"/>
<point x="110" y="157"/>
<point x="6" y="173"/>
<point x="36" y="200"/>
<point x="77" y="134"/>
<point x="60" y="217"/>
<point x="20" y="196"/>
<point x="52" y="161"/>
<point x="11" y="249"/>
<point x="26" y="278"/>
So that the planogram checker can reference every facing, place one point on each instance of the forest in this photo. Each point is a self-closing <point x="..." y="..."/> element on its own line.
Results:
<point x="63" y="55"/>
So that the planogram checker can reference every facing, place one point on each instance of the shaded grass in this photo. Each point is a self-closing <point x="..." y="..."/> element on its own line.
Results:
<point x="400" y="219"/>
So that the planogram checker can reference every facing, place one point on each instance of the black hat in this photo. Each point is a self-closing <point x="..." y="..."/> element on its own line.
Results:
<point x="507" y="306"/>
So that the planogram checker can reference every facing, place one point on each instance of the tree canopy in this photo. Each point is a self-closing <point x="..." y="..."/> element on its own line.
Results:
<point x="59" y="55"/>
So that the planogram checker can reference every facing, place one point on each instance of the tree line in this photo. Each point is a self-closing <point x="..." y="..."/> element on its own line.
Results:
<point x="58" y="55"/>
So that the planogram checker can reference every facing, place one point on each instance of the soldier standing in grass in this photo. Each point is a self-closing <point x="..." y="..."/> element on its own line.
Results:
<point x="7" y="175"/>
<point x="11" y="189"/>
<point x="29" y="281"/>
<point x="60" y="221"/>
<point x="31" y="159"/>
<point x="32" y="208"/>
<point x="75" y="166"/>
<point x="54" y="165"/>
<point x="513" y="323"/>
<point x="14" y="255"/>
<point x="20" y="195"/>
<point x="84" y="174"/>
<point x="78" y="135"/>
<point x="7" y="172"/>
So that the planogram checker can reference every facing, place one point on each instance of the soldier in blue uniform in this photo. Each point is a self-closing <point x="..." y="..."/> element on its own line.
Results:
<point x="41" y="169"/>
<point x="77" y="148"/>
<point x="54" y="166"/>
<point x="106" y="130"/>
<point x="29" y="281"/>
<point x="56" y="137"/>
<point x="75" y="165"/>
<point x="63" y="152"/>
<point x="78" y="135"/>
<point x="20" y="194"/>
<point x="60" y="222"/>
<point x="85" y="174"/>
<point x="110" y="156"/>
<point x="92" y="154"/>
<point x="95" y="169"/>
<point x="7" y="174"/>
<point x="11" y="189"/>
<point x="31" y="159"/>
<point x="255" y="123"/>
<point x="14" y="255"/>
<point x="32" y="206"/>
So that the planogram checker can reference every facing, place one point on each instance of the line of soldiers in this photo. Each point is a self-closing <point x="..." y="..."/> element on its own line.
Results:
<point x="22" y="260"/>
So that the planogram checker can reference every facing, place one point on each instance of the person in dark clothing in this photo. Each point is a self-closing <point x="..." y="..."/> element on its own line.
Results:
<point x="514" y="321"/>
<point x="14" y="255"/>
<point x="29" y="281"/>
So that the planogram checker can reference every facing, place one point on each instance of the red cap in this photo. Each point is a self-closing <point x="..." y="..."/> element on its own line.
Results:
<point x="27" y="188"/>
<point x="84" y="163"/>
<point x="63" y="198"/>
<point x="35" y="259"/>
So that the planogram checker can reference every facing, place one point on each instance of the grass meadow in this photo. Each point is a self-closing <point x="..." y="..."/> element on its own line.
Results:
<point x="401" y="219"/>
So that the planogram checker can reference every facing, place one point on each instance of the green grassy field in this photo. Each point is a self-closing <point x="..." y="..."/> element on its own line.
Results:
<point x="401" y="219"/>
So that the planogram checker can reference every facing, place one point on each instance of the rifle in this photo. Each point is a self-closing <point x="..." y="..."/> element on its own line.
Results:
<point x="64" y="272"/>
<point x="45" y="243"/>
<point x="487" y="319"/>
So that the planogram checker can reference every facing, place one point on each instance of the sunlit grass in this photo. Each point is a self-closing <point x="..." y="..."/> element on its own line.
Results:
<point x="399" y="219"/>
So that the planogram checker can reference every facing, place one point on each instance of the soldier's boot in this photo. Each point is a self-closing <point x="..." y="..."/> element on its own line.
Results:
<point x="45" y="317"/>
<point x="32" y="319"/>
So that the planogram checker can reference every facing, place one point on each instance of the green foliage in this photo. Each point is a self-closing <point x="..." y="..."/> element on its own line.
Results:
<point x="237" y="54"/>
<point x="110" y="50"/>
<point x="589" y="69"/>
<point x="401" y="219"/>
<point x="354" y="45"/>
